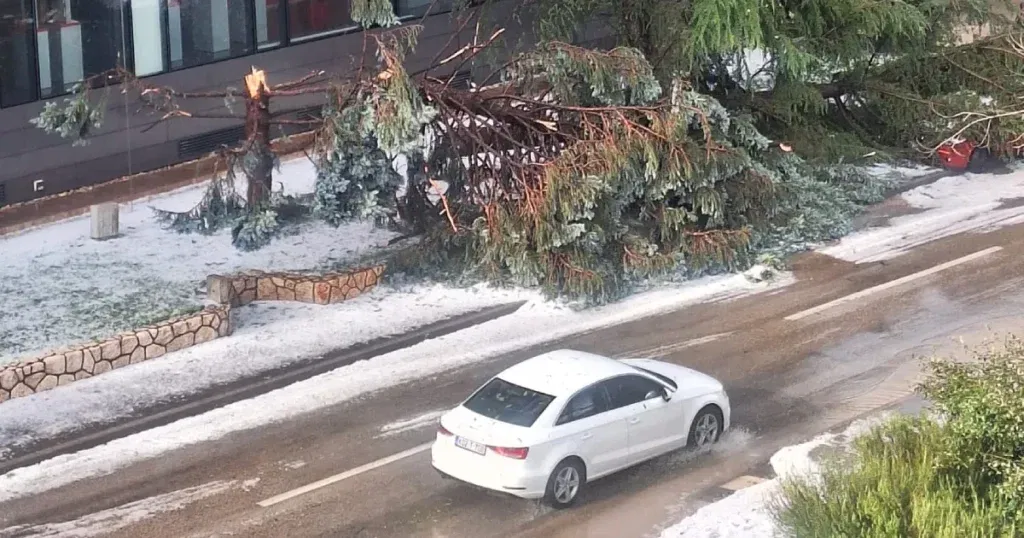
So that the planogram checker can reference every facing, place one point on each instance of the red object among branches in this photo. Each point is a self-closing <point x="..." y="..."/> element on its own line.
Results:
<point x="956" y="156"/>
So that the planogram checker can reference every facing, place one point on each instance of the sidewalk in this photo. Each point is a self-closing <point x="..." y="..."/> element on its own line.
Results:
<point x="102" y="422"/>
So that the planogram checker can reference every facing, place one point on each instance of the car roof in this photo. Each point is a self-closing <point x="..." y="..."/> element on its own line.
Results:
<point x="563" y="372"/>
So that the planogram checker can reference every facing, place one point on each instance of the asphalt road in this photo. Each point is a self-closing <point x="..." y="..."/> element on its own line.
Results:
<point x="791" y="371"/>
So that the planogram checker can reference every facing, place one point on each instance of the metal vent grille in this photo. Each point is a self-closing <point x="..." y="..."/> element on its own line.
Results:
<point x="203" y="144"/>
<point x="461" y="80"/>
<point x="310" y="113"/>
<point x="3" y="194"/>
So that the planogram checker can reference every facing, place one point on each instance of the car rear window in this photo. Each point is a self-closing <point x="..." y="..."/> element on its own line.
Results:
<point x="509" y="403"/>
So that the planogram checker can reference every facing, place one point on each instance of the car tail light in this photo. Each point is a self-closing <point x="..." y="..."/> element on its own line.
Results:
<point x="441" y="430"/>
<point x="514" y="453"/>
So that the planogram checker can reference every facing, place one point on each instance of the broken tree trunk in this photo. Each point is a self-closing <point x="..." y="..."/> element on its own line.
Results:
<point x="258" y="162"/>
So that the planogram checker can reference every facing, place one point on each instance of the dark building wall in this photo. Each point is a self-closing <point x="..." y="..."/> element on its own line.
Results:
<point x="133" y="140"/>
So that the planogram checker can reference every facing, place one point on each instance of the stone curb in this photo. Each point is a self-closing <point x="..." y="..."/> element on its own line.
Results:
<point x="164" y="413"/>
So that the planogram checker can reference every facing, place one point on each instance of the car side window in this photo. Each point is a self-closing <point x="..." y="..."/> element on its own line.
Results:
<point x="588" y="402"/>
<point x="630" y="389"/>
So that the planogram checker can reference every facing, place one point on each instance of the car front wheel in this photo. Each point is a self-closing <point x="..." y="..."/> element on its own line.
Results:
<point x="706" y="427"/>
<point x="565" y="484"/>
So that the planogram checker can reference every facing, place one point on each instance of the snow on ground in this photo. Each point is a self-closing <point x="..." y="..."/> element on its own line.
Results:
<point x="536" y="323"/>
<point x="411" y="424"/>
<point x="269" y="336"/>
<point x="108" y="521"/>
<point x="746" y="513"/>
<point x="949" y="206"/>
<point x="58" y="286"/>
<point x="903" y="172"/>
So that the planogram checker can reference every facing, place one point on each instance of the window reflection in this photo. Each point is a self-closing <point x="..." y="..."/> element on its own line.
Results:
<point x="204" y="31"/>
<point x="77" y="39"/>
<point x="148" y="37"/>
<point x="308" y="19"/>
<point x="17" y="73"/>
<point x="269" y="23"/>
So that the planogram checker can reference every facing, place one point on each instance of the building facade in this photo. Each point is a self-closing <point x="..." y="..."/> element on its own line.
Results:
<point x="47" y="46"/>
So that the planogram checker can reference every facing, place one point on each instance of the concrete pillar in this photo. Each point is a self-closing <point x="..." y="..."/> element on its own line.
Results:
<point x="104" y="220"/>
<point x="219" y="290"/>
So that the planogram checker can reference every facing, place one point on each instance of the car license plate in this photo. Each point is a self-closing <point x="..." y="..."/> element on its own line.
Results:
<point x="469" y="445"/>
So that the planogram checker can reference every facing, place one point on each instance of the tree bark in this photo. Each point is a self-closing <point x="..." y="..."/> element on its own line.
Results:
<point x="258" y="162"/>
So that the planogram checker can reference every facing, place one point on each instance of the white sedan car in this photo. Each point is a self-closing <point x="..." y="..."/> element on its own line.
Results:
<point x="545" y="427"/>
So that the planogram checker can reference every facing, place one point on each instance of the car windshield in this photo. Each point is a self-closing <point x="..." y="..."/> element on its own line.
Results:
<point x="508" y="403"/>
<point x="664" y="379"/>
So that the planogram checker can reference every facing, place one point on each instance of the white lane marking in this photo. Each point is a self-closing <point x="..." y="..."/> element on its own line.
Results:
<point x="661" y="351"/>
<point x="113" y="519"/>
<point x="343" y="476"/>
<point x="892" y="284"/>
<point x="419" y="421"/>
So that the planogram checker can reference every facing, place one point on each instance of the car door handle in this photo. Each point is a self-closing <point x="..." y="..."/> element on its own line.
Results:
<point x="586" y="436"/>
<point x="634" y="420"/>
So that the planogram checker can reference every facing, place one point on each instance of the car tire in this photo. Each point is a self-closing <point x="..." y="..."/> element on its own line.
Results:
<point x="566" y="483"/>
<point x="706" y="428"/>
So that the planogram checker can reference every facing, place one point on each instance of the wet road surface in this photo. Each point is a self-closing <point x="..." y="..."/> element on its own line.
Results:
<point x="792" y="366"/>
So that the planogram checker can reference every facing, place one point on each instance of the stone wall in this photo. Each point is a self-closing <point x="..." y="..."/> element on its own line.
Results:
<point x="326" y="288"/>
<point x="71" y="364"/>
<point x="68" y="365"/>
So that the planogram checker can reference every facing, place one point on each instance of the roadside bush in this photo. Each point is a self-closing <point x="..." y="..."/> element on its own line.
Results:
<point x="956" y="472"/>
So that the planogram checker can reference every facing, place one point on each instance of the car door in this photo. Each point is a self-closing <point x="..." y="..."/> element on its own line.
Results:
<point x="598" y="433"/>
<point x="649" y="425"/>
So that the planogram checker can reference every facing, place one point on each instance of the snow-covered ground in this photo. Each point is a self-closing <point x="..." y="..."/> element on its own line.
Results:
<point x="949" y="206"/>
<point x="269" y="336"/>
<point x="98" y="398"/>
<point x="58" y="286"/>
<point x="747" y="513"/>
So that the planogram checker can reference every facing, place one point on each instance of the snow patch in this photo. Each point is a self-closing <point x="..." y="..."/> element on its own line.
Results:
<point x="536" y="323"/>
<point x="269" y="336"/>
<point x="111" y="520"/>
<point x="746" y="513"/>
<point x="59" y="287"/>
<point x="420" y="421"/>
<point x="949" y="206"/>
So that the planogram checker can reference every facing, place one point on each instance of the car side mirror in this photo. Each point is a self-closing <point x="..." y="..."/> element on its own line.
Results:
<point x="666" y="395"/>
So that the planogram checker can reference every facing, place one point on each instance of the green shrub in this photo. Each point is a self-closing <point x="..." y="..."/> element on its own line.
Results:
<point x="957" y="473"/>
<point x="892" y="486"/>
<point x="983" y="402"/>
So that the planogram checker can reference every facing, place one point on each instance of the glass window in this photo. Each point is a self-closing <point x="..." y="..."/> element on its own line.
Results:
<point x="269" y="23"/>
<point x="204" y="31"/>
<point x="77" y="39"/>
<point x="664" y="379"/>
<point x="148" y="39"/>
<point x="17" y="70"/>
<point x="508" y="403"/>
<point x="308" y="19"/>
<point x="630" y="389"/>
<point x="590" y="401"/>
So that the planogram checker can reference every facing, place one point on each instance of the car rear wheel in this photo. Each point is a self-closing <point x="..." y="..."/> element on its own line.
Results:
<point x="565" y="484"/>
<point x="706" y="427"/>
